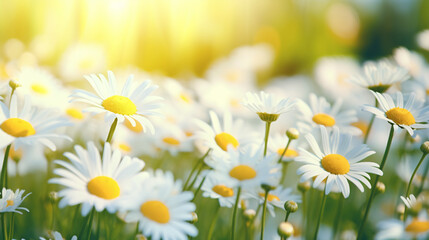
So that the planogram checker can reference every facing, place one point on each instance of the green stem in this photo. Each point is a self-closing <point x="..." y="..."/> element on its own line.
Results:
<point x="411" y="180"/>
<point x="264" y="209"/>
<point x="3" y="176"/>
<point x="267" y="132"/>
<point x="284" y="171"/>
<point x="4" y="225"/>
<point x="137" y="229"/>
<point x="195" y="168"/>
<point x="365" y="139"/>
<point x="423" y="179"/>
<point x="213" y="223"/>
<point x="12" y="228"/>
<point x="199" y="188"/>
<point x="287" y="216"/>
<point x="284" y="151"/>
<point x="53" y="216"/>
<point x="303" y="211"/>
<point x="196" y="177"/>
<point x="91" y="218"/>
<point x="320" y="214"/>
<point x="337" y="220"/>
<point x="373" y="187"/>
<point x="112" y="130"/>
<point x="234" y="213"/>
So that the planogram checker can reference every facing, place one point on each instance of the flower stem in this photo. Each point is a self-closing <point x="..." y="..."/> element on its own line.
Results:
<point x="337" y="220"/>
<point x="423" y="179"/>
<point x="199" y="188"/>
<point x="373" y="187"/>
<point x="287" y="216"/>
<point x="12" y="228"/>
<point x="267" y="132"/>
<point x="284" y="171"/>
<point x="3" y="176"/>
<point x="4" y="225"/>
<point x="365" y="139"/>
<point x="284" y="151"/>
<point x="213" y="224"/>
<point x="234" y="213"/>
<point x="112" y="130"/>
<point x="264" y="209"/>
<point x="320" y="214"/>
<point x="195" y="168"/>
<point x="91" y="218"/>
<point x="411" y="180"/>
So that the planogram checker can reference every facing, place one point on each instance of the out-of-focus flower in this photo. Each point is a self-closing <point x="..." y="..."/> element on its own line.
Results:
<point x="413" y="228"/>
<point x="268" y="106"/>
<point x="423" y="39"/>
<point x="409" y="60"/>
<point x="11" y="201"/>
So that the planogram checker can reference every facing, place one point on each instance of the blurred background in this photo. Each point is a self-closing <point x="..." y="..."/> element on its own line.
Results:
<point x="179" y="38"/>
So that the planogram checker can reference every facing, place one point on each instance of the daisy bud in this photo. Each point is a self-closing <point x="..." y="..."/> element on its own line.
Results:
<point x="53" y="197"/>
<point x="249" y="214"/>
<point x="194" y="217"/>
<point x="14" y="84"/>
<point x="380" y="187"/>
<point x="292" y="133"/>
<point x="425" y="147"/>
<point x="304" y="186"/>
<point x="267" y="187"/>
<point x="140" y="237"/>
<point x="285" y="229"/>
<point x="291" y="206"/>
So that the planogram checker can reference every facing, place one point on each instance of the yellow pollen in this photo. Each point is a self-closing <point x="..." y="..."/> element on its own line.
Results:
<point x="17" y="127"/>
<point x="223" y="190"/>
<point x="417" y="226"/>
<point x="335" y="164"/>
<point x="104" y="187"/>
<point x="155" y="211"/>
<point x="40" y="89"/>
<point x="270" y="197"/>
<point x="9" y="203"/>
<point x="74" y="113"/>
<point x="119" y="105"/>
<point x="171" y="141"/>
<point x="289" y="152"/>
<point x="138" y="128"/>
<point x="401" y="116"/>
<point x="324" y="119"/>
<point x="124" y="147"/>
<point x="224" y="139"/>
<point x="242" y="172"/>
<point x="185" y="98"/>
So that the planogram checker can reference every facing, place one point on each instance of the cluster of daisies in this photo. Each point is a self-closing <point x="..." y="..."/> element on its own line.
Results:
<point x="217" y="157"/>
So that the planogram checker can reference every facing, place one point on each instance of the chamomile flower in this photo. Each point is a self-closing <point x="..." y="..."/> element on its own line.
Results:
<point x="28" y="125"/>
<point x="10" y="201"/>
<point x="57" y="236"/>
<point x="406" y="112"/>
<point x="247" y="167"/>
<point x="410" y="201"/>
<point x="132" y="104"/>
<point x="219" y="187"/>
<point x="218" y="137"/>
<point x="338" y="162"/>
<point x="95" y="181"/>
<point x="379" y="76"/>
<point x="409" y="60"/>
<point x="413" y="228"/>
<point x="161" y="209"/>
<point x="173" y="139"/>
<point x="276" y="198"/>
<point x="319" y="112"/>
<point x="267" y="106"/>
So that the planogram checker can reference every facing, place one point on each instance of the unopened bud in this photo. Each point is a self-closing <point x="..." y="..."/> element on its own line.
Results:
<point x="194" y="217"/>
<point x="249" y="214"/>
<point x="140" y="237"/>
<point x="14" y="84"/>
<point x="425" y="147"/>
<point x="304" y="186"/>
<point x="292" y="133"/>
<point x="53" y="196"/>
<point x="400" y="209"/>
<point x="380" y="187"/>
<point x="291" y="206"/>
<point x="285" y="229"/>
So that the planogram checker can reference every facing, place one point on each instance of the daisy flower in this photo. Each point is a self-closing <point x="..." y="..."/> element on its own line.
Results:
<point x="161" y="209"/>
<point x="218" y="137"/>
<point x="379" y="76"/>
<point x="409" y="60"/>
<point x="413" y="228"/>
<point x="28" y="125"/>
<point x="219" y="187"/>
<point x="319" y="112"/>
<point x="410" y="201"/>
<point x="95" y="181"/>
<point x="173" y="139"/>
<point x="267" y="106"/>
<point x="10" y="201"/>
<point x="247" y="167"/>
<point x="57" y="236"/>
<point x="132" y="104"/>
<point x="338" y="162"/>
<point x="406" y="112"/>
<point x="276" y="198"/>
<point x="423" y="39"/>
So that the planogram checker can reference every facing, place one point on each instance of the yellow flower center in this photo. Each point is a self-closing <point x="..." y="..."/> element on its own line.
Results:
<point x="242" y="172"/>
<point x="15" y="154"/>
<point x="104" y="187"/>
<point x="223" y="190"/>
<point x="74" y="113"/>
<point x="417" y="226"/>
<point x="401" y="116"/>
<point x="189" y="134"/>
<point x="185" y="98"/>
<point x="9" y="203"/>
<point x="171" y="141"/>
<point x="270" y="197"/>
<point x="119" y="105"/>
<point x="138" y="128"/>
<point x="155" y="211"/>
<point x="224" y="139"/>
<point x="335" y="164"/>
<point x="289" y="152"/>
<point x="17" y="127"/>
<point x="124" y="147"/>
<point x="40" y="89"/>
<point x="324" y="119"/>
